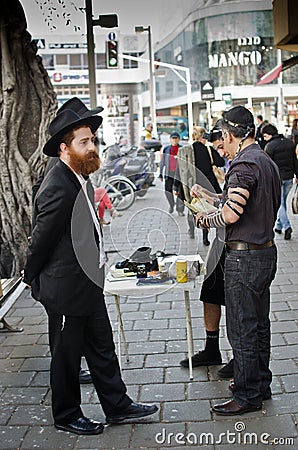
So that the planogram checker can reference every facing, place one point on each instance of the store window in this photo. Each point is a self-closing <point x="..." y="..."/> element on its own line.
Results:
<point x="61" y="60"/>
<point x="48" y="61"/>
<point x="75" y="61"/>
<point x="101" y="61"/>
<point x="85" y="61"/>
<point x="181" y="87"/>
<point x="76" y="90"/>
<point x="128" y="64"/>
<point x="169" y="86"/>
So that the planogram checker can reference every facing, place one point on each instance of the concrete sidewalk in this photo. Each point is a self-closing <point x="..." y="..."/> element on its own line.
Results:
<point x="156" y="335"/>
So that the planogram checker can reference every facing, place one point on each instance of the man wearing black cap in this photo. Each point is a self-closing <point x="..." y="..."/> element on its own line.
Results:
<point x="168" y="170"/>
<point x="251" y="199"/>
<point x="65" y="269"/>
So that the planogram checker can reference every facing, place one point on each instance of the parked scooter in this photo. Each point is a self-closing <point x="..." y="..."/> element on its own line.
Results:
<point x="153" y="147"/>
<point x="137" y="164"/>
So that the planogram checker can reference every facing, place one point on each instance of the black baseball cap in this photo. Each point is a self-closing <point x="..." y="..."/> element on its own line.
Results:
<point x="175" y="135"/>
<point x="238" y="117"/>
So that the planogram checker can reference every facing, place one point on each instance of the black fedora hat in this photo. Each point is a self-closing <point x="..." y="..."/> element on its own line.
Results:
<point x="65" y="122"/>
<point x="79" y="107"/>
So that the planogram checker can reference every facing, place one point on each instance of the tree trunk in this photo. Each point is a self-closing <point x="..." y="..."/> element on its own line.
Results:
<point x="27" y="105"/>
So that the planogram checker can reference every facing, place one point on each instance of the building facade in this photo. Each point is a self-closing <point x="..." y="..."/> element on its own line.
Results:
<point x="227" y="45"/>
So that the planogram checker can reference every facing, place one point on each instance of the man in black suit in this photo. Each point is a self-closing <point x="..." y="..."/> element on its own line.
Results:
<point x="76" y="105"/>
<point x="65" y="269"/>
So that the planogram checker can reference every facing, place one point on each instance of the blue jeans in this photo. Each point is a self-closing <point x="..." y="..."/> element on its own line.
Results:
<point x="248" y="275"/>
<point x="282" y="217"/>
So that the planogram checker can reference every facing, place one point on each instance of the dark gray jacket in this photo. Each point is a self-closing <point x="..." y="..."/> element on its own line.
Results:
<point x="283" y="153"/>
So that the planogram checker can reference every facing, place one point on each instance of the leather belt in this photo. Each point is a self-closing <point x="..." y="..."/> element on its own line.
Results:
<point x="248" y="246"/>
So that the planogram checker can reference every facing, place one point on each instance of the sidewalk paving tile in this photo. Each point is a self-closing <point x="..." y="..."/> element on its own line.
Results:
<point x="155" y="330"/>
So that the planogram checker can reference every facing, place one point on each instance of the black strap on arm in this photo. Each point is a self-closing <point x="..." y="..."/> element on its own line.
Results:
<point x="240" y="195"/>
<point x="232" y="208"/>
<point x="236" y="203"/>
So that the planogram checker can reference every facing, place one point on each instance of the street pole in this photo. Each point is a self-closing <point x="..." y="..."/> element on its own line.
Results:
<point x="141" y="29"/>
<point x="280" y="107"/>
<point x="209" y="116"/>
<point x="91" y="56"/>
<point x="152" y="85"/>
<point x="189" y="103"/>
<point x="176" y="69"/>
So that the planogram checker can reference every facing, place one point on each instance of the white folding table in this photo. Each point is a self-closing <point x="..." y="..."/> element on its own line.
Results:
<point x="129" y="288"/>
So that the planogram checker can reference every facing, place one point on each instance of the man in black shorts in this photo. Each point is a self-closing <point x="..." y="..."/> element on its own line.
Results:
<point x="212" y="296"/>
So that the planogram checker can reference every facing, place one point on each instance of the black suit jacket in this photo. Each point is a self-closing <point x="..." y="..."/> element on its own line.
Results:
<point x="63" y="257"/>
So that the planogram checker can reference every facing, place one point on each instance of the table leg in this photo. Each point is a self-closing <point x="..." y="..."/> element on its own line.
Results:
<point x="121" y="331"/>
<point x="190" y="346"/>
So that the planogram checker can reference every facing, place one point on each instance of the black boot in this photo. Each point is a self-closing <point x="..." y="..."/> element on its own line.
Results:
<point x="205" y="237"/>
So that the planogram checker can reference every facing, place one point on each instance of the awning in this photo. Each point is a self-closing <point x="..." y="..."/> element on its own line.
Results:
<point x="275" y="72"/>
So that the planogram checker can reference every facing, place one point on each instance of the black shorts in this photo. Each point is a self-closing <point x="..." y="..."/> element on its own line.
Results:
<point x="213" y="286"/>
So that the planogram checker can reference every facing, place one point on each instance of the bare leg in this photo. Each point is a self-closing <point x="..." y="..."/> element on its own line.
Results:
<point x="212" y="314"/>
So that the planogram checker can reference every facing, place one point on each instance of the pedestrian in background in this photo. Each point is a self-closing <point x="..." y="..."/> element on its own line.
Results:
<point x="168" y="172"/>
<point x="259" y="136"/>
<point x="294" y="131"/>
<point x="251" y="200"/>
<point x="283" y="152"/>
<point x="203" y="165"/>
<point x="103" y="202"/>
<point x="147" y="133"/>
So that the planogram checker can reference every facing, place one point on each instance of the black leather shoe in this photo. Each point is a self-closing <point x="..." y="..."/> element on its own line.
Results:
<point x="227" y="371"/>
<point x="82" y="425"/>
<point x="202" y="359"/>
<point x="171" y="209"/>
<point x="288" y="233"/>
<point x="277" y="231"/>
<point x="85" y="377"/>
<point x="133" y="411"/>
<point x="231" y="408"/>
<point x="265" y="395"/>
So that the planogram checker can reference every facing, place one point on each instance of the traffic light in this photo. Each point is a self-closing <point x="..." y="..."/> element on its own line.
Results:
<point x="112" y="55"/>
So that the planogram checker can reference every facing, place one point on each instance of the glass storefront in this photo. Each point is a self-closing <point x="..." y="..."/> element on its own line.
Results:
<point x="230" y="49"/>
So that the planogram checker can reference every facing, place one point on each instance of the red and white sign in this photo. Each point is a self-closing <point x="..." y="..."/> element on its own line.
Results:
<point x="57" y="77"/>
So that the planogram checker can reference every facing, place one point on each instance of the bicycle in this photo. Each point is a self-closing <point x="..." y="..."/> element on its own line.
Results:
<point x="119" y="188"/>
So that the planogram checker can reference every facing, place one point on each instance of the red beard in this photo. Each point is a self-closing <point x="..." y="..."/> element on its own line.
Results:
<point x="86" y="164"/>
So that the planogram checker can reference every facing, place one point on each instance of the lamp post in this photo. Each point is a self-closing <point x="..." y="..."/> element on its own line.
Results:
<point x="106" y="21"/>
<point x="141" y="29"/>
<point x="176" y="69"/>
<point x="280" y="107"/>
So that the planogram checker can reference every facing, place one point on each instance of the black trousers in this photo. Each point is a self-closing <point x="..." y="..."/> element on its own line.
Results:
<point x="169" y="186"/>
<point x="71" y="337"/>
